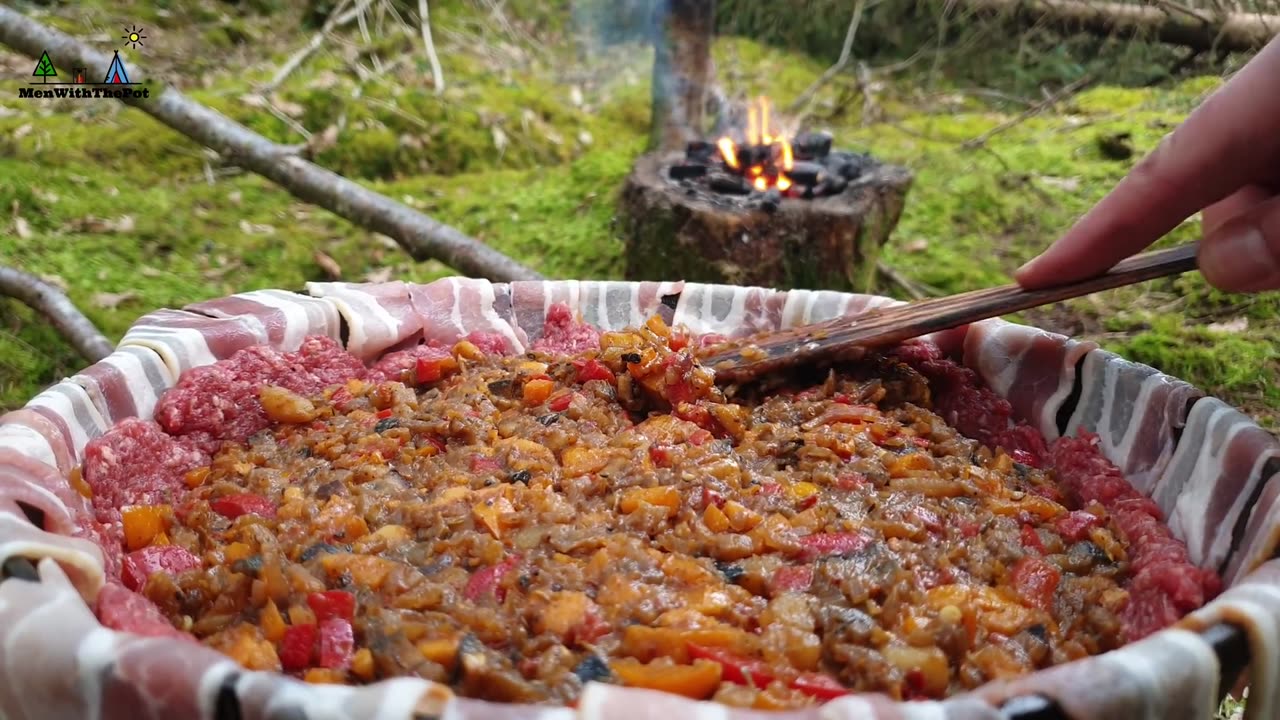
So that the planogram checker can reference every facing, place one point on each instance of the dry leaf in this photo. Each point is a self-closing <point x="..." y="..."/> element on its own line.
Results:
<point x="499" y="138"/>
<point x="56" y="281"/>
<point x="254" y="100"/>
<point x="328" y="265"/>
<point x="148" y="271"/>
<point x="585" y="138"/>
<point x="575" y="96"/>
<point x="1233" y="326"/>
<point x="22" y="131"/>
<point x="380" y="275"/>
<point x="21" y="228"/>
<point x="916" y="246"/>
<point x="234" y="197"/>
<point x="110" y="301"/>
<point x="1069" y="184"/>
<point x="249" y="228"/>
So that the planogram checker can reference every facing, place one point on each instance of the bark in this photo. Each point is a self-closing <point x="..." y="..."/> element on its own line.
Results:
<point x="418" y="234"/>
<point x="50" y="302"/>
<point x="827" y="243"/>
<point x="1204" y="31"/>
<point x="682" y="72"/>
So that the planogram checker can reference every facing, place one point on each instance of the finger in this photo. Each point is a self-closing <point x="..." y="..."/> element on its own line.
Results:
<point x="1243" y="200"/>
<point x="1228" y="141"/>
<point x="1243" y="254"/>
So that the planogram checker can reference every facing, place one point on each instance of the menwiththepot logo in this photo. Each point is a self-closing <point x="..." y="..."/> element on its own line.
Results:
<point x="115" y="86"/>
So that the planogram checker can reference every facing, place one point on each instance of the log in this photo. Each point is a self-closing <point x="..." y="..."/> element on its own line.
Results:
<point x="1203" y="30"/>
<point x="58" y="309"/>
<point x="682" y="72"/>
<point x="828" y="243"/>
<point x="417" y="233"/>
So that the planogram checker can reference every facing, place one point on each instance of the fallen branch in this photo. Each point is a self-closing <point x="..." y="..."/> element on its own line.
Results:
<point x="336" y="19"/>
<point x="50" y="302"/>
<point x="424" y="21"/>
<point x="846" y="51"/>
<point x="418" y="234"/>
<point x="917" y="291"/>
<point x="1174" y="24"/>
<point x="1030" y="112"/>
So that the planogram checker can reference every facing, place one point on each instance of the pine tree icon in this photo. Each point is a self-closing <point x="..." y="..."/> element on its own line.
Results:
<point x="44" y="69"/>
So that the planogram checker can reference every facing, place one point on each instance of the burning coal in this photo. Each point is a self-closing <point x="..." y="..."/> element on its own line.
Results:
<point x="761" y="161"/>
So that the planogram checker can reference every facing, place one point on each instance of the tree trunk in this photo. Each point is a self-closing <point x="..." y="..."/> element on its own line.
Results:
<point x="825" y="243"/>
<point x="1199" y="29"/>
<point x="681" y="72"/>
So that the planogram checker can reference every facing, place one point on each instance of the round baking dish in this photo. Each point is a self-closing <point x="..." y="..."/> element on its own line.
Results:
<point x="1213" y="472"/>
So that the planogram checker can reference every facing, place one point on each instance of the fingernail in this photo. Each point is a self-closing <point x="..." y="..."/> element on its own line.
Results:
<point x="1237" y="259"/>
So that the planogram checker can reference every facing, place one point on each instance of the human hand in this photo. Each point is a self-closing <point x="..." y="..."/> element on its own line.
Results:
<point x="1223" y="160"/>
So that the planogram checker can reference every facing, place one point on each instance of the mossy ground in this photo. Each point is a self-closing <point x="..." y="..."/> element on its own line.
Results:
<point x="526" y="150"/>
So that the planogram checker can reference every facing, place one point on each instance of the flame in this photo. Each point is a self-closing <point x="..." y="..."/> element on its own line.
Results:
<point x="759" y="133"/>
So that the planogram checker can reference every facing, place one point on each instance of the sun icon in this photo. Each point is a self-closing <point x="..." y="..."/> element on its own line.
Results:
<point x="133" y="37"/>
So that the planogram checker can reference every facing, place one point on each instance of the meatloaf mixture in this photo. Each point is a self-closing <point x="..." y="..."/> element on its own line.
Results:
<point x="518" y="526"/>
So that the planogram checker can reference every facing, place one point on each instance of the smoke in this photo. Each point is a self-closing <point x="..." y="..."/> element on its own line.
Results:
<point x="605" y="23"/>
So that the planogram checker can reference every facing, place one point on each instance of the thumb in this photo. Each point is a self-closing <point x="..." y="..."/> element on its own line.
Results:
<point x="1243" y="253"/>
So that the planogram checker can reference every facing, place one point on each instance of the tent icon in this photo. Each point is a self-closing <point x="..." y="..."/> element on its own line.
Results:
<point x="116" y="74"/>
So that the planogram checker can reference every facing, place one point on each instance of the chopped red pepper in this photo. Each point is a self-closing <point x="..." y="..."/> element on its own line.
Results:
<point x="340" y="398"/>
<point x="296" y="646"/>
<point x="439" y="444"/>
<point x="1075" y="526"/>
<point x="695" y="414"/>
<point x="332" y="604"/>
<point x="711" y="497"/>
<point x="678" y="341"/>
<point x="660" y="455"/>
<point x="808" y="502"/>
<point x="593" y="369"/>
<point x="428" y="370"/>
<point x="792" y="578"/>
<point x="1036" y="581"/>
<point x="735" y="668"/>
<point x="842" y="399"/>
<point x="140" y="565"/>
<point x="1025" y="458"/>
<point x="337" y="644"/>
<point x="561" y="402"/>
<point x="1031" y="539"/>
<point x="921" y="442"/>
<point x="770" y="488"/>
<point x="968" y="528"/>
<point x="486" y="580"/>
<point x="700" y="437"/>
<point x="480" y="463"/>
<point x="834" y="543"/>
<point x="383" y="414"/>
<point x="823" y="687"/>
<point x="233" y="506"/>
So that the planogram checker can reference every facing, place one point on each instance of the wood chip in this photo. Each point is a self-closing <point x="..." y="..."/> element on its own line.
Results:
<point x="328" y="264"/>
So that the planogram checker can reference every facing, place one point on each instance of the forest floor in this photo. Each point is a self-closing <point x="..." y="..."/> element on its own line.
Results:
<point x="526" y="150"/>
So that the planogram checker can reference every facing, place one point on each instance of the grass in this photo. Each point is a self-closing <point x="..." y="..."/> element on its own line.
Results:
<point x="526" y="151"/>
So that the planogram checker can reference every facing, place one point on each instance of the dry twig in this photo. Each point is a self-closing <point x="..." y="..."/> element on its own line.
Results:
<point x="420" y="235"/>
<point x="336" y="19"/>
<point x="803" y="100"/>
<point x="424" y="22"/>
<point x="50" y="302"/>
<point x="916" y="290"/>
<point x="1030" y="112"/>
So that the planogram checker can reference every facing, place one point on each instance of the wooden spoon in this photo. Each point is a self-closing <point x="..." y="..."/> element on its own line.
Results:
<point x="848" y="337"/>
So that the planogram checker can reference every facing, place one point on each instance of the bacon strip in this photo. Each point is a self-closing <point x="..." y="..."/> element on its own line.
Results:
<point x="379" y="316"/>
<point x="1201" y="466"/>
<point x="284" y="317"/>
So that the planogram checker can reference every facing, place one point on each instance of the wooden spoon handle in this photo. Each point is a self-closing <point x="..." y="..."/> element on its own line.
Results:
<point x="885" y="326"/>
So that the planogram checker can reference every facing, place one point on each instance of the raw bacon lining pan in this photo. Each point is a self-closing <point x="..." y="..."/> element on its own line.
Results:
<point x="1213" y="472"/>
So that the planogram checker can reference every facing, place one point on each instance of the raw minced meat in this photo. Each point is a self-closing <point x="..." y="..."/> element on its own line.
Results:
<point x="563" y="334"/>
<point x="136" y="463"/>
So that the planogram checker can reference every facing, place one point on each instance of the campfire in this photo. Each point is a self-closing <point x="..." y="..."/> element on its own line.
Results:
<point x="761" y="165"/>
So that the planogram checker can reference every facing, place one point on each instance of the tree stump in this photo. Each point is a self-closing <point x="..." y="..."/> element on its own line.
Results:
<point x="674" y="231"/>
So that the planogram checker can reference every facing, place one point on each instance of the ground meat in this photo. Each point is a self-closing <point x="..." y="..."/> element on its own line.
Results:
<point x="562" y="333"/>
<point x="136" y="463"/>
<point x="1165" y="584"/>
<point x="218" y="402"/>
<point x="122" y="609"/>
<point x="489" y="342"/>
<point x="392" y="366"/>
